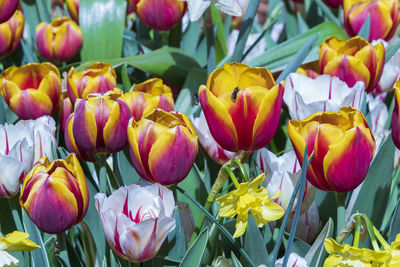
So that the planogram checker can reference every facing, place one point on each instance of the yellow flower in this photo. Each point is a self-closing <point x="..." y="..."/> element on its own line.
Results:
<point x="393" y="253"/>
<point x="346" y="255"/>
<point x="249" y="198"/>
<point x="15" y="241"/>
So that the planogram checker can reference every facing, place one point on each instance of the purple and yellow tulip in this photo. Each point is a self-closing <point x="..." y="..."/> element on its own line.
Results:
<point x="161" y="15"/>
<point x="99" y="124"/>
<point x="31" y="91"/>
<point x="60" y="40"/>
<point x="66" y="109"/>
<point x="343" y="147"/>
<point x="62" y="186"/>
<point x="159" y="143"/>
<point x="73" y="9"/>
<point x="11" y="33"/>
<point x="352" y="60"/>
<point x="395" y="116"/>
<point x="242" y="106"/>
<point x="7" y="9"/>
<point x="384" y="17"/>
<point x="147" y="96"/>
<point x="97" y="78"/>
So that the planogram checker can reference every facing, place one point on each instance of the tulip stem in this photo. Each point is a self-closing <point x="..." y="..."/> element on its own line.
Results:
<point x="232" y="176"/>
<point x="340" y="199"/>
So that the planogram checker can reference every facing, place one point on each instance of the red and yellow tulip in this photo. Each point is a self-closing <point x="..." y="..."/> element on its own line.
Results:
<point x="11" y="33"/>
<point x="242" y="106"/>
<point x="343" y="147"/>
<point x="352" y="60"/>
<point x="159" y="143"/>
<point x="61" y="185"/>
<point x="384" y="17"/>
<point x="97" y="78"/>
<point x="147" y="96"/>
<point x="395" y="116"/>
<point x="73" y="9"/>
<point x="32" y="90"/>
<point x="7" y="9"/>
<point x="60" y="40"/>
<point x="161" y="15"/>
<point x="99" y="124"/>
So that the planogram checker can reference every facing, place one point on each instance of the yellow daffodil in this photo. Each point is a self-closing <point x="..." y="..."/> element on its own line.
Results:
<point x="249" y="198"/>
<point x="392" y="251"/>
<point x="346" y="255"/>
<point x="15" y="241"/>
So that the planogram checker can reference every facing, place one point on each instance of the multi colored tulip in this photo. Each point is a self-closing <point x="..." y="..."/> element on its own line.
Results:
<point x="384" y="17"/>
<point x="7" y="9"/>
<point x="97" y="78"/>
<point x="62" y="186"/>
<point x="11" y="33"/>
<point x="343" y="147"/>
<point x="161" y="15"/>
<point x="32" y="90"/>
<point x="396" y="117"/>
<point x="352" y="60"/>
<point x="73" y="9"/>
<point x="136" y="220"/>
<point x="147" y="96"/>
<point x="98" y="124"/>
<point x="242" y="106"/>
<point x="60" y="40"/>
<point x="159" y="143"/>
<point x="305" y="96"/>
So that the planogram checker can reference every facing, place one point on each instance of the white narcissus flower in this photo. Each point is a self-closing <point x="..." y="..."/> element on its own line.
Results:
<point x="214" y="150"/>
<point x="137" y="219"/>
<point x="282" y="173"/>
<point x="305" y="96"/>
<point x="379" y="115"/>
<point x="197" y="7"/>
<point x="294" y="261"/>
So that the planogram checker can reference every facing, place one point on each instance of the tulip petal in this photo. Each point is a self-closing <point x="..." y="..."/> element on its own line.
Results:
<point x="31" y="104"/>
<point x="85" y="126"/>
<point x="10" y="172"/>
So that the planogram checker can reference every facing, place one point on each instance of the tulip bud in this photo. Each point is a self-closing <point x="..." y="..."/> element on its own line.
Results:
<point x="7" y="9"/>
<point x="343" y="147"/>
<point x="352" y="60"/>
<point x="384" y="17"/>
<point x="147" y="96"/>
<point x="55" y="195"/>
<point x="242" y="106"/>
<point x="60" y="40"/>
<point x="65" y="110"/>
<point x="97" y="78"/>
<point x="136" y="220"/>
<point x="11" y="33"/>
<point x="396" y="117"/>
<point x="161" y="15"/>
<point x="73" y="9"/>
<point x="159" y="143"/>
<point x="32" y="90"/>
<point x="99" y="124"/>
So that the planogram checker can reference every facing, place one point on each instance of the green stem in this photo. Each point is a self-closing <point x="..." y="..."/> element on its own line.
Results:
<point x="232" y="176"/>
<point x="340" y="199"/>
<point x="356" y="239"/>
<point x="242" y="170"/>
<point x="383" y="242"/>
<point x="371" y="233"/>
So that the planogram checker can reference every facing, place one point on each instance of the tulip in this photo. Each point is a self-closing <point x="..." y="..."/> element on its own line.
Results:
<point x="308" y="72"/>
<point x="73" y="9"/>
<point x="98" y="124"/>
<point x="215" y="151"/>
<point x="11" y="33"/>
<point x="136" y="220"/>
<point x="97" y="78"/>
<point x="65" y="110"/>
<point x="282" y="174"/>
<point x="55" y="195"/>
<point x="60" y="40"/>
<point x="379" y="114"/>
<point x="343" y="147"/>
<point x="353" y="60"/>
<point x="32" y="90"/>
<point x="384" y="17"/>
<point x="242" y="106"/>
<point x="7" y="9"/>
<point x="333" y="3"/>
<point x="147" y="96"/>
<point x="159" y="143"/>
<point x="161" y="15"/>
<point x="294" y="260"/>
<point x="305" y="96"/>
<point x="396" y="117"/>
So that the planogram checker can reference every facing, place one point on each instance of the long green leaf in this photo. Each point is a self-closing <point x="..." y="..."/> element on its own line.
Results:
<point x="253" y="243"/>
<point x="365" y="29"/>
<point x="315" y="254"/>
<point x="196" y="251"/>
<point x="102" y="23"/>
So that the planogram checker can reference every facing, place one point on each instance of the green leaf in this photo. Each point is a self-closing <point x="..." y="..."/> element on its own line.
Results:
<point x="235" y="261"/>
<point x="186" y="98"/>
<point x="175" y="246"/>
<point x="196" y="251"/>
<point x="328" y="13"/>
<point x="365" y="29"/>
<point x="191" y="38"/>
<point x="277" y="57"/>
<point x="89" y="246"/>
<point x="373" y="196"/>
<point x="102" y="23"/>
<point x="253" y="243"/>
<point x="50" y="251"/>
<point x="394" y="224"/>
<point x="316" y="254"/>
